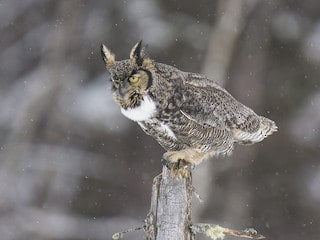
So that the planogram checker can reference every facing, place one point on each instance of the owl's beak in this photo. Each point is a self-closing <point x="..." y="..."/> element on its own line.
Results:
<point x="122" y="90"/>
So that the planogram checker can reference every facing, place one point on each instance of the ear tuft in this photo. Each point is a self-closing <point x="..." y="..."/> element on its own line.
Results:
<point x="107" y="56"/>
<point x="136" y="54"/>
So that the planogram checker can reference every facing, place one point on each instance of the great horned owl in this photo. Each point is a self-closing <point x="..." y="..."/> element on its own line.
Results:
<point x="189" y="115"/>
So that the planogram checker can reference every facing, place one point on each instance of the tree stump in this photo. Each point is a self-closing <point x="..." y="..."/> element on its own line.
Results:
<point x="169" y="217"/>
<point x="170" y="213"/>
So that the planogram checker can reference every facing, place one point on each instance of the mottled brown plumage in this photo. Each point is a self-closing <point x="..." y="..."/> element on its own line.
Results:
<point x="189" y="115"/>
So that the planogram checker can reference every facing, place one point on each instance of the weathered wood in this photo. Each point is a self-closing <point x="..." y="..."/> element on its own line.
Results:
<point x="169" y="217"/>
<point x="170" y="213"/>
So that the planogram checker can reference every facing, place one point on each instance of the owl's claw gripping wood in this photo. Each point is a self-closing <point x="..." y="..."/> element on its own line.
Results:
<point x="180" y="168"/>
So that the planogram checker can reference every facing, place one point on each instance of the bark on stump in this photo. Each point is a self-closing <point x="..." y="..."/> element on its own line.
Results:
<point x="170" y="214"/>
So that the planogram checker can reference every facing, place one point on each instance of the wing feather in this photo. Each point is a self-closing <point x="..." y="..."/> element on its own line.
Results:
<point x="206" y="103"/>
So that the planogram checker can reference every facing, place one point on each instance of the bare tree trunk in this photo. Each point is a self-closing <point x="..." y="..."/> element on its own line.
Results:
<point x="170" y="213"/>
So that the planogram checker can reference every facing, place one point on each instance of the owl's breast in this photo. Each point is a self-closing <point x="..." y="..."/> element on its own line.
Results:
<point x="146" y="110"/>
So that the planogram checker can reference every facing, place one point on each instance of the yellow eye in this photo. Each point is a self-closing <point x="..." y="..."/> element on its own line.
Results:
<point x="133" y="79"/>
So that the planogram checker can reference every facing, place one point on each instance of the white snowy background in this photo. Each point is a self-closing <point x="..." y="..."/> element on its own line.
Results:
<point x="72" y="167"/>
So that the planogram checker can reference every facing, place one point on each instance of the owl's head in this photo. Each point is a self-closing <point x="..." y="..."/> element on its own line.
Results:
<point x="131" y="78"/>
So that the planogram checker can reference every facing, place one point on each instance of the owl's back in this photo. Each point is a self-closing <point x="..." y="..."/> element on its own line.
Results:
<point x="209" y="104"/>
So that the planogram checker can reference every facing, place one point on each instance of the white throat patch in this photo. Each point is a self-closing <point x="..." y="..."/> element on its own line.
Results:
<point x="146" y="110"/>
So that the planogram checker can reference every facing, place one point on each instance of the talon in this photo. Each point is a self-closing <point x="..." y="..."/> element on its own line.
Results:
<point x="192" y="166"/>
<point x="164" y="162"/>
<point x="169" y="164"/>
<point x="180" y="163"/>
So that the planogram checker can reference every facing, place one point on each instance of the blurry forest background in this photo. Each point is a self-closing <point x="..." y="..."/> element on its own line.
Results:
<point x="72" y="167"/>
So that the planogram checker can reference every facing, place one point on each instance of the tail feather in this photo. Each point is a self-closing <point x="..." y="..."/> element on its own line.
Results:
<point x="267" y="127"/>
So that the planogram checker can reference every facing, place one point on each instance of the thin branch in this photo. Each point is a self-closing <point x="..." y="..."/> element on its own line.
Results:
<point x="216" y="232"/>
<point x="119" y="235"/>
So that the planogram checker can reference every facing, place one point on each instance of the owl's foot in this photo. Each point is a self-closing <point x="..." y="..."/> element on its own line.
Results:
<point x="183" y="161"/>
<point x="165" y="162"/>
<point x="192" y="156"/>
<point x="180" y="168"/>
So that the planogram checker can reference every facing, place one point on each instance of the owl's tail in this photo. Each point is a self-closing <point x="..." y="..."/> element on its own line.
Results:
<point x="267" y="127"/>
